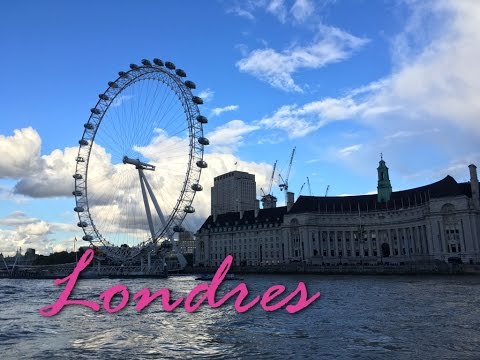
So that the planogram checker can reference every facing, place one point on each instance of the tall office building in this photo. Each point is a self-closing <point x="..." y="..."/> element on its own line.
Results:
<point x="233" y="192"/>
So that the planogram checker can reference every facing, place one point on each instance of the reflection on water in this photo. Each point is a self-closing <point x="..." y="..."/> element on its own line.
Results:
<point x="362" y="317"/>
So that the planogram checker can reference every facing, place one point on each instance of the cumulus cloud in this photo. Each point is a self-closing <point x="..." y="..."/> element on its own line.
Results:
<point x="18" y="230"/>
<point x="420" y="110"/>
<point x="276" y="68"/>
<point x="114" y="194"/>
<point x="53" y="176"/>
<point x="220" y="110"/>
<point x="228" y="137"/>
<point x="19" y="153"/>
<point x="298" y="121"/>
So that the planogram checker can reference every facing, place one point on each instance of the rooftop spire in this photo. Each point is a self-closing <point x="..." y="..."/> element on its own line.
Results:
<point x="384" y="188"/>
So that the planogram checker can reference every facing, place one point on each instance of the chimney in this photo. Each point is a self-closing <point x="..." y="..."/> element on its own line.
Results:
<point x="474" y="185"/>
<point x="257" y="207"/>
<point x="290" y="200"/>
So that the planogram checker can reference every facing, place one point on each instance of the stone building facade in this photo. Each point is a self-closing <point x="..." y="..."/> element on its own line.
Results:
<point x="439" y="221"/>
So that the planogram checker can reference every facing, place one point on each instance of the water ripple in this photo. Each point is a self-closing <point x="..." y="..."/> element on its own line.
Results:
<point x="362" y="317"/>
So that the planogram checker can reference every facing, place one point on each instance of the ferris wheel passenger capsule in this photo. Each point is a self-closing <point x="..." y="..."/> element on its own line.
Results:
<point x="78" y="209"/>
<point x="197" y="100"/>
<point x="158" y="62"/>
<point x="201" y="164"/>
<point x="181" y="73"/>
<point x="189" y="209"/>
<point x="204" y="141"/>
<point x="80" y="159"/>
<point x="146" y="62"/>
<point x="83" y="142"/>
<point x="112" y="84"/>
<point x="197" y="187"/>
<point x="170" y="65"/>
<point x="87" y="237"/>
<point x="88" y="126"/>
<point x="103" y="97"/>
<point x="77" y="193"/>
<point x="95" y="111"/>
<point x="134" y="67"/>
<point x="123" y="74"/>
<point x="78" y="176"/>
<point x="202" y="119"/>
<point x="82" y="224"/>
<point x="190" y="84"/>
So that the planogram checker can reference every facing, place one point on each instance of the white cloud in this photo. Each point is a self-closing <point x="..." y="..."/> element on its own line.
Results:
<point x="53" y="176"/>
<point x="276" y="68"/>
<point x="228" y="137"/>
<point x="347" y="151"/>
<point x="430" y="98"/>
<point x="242" y="12"/>
<point x="115" y="199"/>
<point x="220" y="110"/>
<point x="302" y="9"/>
<point x="19" y="153"/>
<point x="408" y="133"/>
<point x="17" y="218"/>
<point x="278" y="9"/>
<point x="206" y="95"/>
<point x="291" y="120"/>
<point x="17" y="230"/>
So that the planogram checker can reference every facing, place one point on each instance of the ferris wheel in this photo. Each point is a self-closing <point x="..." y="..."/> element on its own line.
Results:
<point x="139" y="160"/>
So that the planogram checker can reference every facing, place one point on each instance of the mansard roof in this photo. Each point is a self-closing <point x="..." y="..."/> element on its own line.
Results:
<point x="398" y="200"/>
<point x="265" y="216"/>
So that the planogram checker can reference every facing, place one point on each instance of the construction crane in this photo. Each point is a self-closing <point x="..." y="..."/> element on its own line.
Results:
<point x="268" y="200"/>
<point x="309" y="188"/>
<point x="271" y="178"/>
<point x="326" y="191"/>
<point x="301" y="189"/>
<point x="284" y="184"/>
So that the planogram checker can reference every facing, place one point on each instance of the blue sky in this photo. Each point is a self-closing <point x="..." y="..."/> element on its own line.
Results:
<point x="340" y="80"/>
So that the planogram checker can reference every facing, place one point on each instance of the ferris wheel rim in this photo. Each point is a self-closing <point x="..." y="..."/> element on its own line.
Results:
<point x="182" y="89"/>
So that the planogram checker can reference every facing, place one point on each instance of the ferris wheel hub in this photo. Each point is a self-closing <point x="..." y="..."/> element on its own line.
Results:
<point x="138" y="164"/>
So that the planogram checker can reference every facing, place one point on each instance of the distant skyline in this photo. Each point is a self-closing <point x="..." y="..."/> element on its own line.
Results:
<point x="342" y="81"/>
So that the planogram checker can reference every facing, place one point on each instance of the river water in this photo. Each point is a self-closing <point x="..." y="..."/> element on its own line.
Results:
<point x="356" y="317"/>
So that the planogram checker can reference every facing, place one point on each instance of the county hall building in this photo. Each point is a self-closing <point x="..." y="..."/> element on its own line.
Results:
<point x="439" y="221"/>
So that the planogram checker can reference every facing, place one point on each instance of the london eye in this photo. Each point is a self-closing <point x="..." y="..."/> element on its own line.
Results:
<point x="139" y="161"/>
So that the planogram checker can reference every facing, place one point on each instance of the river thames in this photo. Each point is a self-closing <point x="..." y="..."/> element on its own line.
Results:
<point x="356" y="317"/>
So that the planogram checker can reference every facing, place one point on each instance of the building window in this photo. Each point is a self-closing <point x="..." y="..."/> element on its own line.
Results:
<point x="332" y="252"/>
<point x="366" y="252"/>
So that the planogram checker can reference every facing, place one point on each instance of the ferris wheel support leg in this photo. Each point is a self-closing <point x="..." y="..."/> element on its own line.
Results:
<point x="145" y="201"/>
<point x="154" y="199"/>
